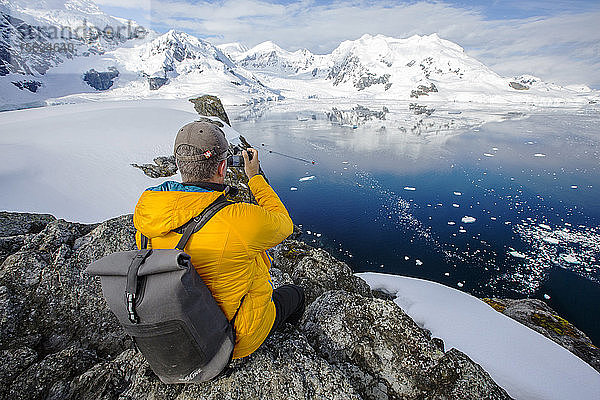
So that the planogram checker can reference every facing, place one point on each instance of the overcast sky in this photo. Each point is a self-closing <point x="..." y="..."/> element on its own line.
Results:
<point x="557" y="40"/>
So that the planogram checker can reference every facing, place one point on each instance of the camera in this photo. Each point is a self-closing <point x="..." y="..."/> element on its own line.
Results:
<point x="237" y="159"/>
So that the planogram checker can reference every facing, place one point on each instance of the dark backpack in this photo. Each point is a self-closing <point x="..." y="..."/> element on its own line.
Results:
<point x="163" y="304"/>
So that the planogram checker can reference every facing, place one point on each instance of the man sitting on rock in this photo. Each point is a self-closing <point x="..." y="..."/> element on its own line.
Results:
<point x="229" y="252"/>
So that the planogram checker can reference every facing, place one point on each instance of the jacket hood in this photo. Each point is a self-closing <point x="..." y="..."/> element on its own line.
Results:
<point x="163" y="208"/>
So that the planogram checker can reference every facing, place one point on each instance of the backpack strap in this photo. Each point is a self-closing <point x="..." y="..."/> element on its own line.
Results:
<point x="131" y="285"/>
<point x="143" y="241"/>
<point x="202" y="219"/>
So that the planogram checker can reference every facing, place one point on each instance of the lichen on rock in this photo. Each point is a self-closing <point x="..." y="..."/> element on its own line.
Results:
<point x="540" y="317"/>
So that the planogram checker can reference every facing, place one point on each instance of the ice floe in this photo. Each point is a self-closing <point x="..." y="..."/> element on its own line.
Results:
<point x="571" y="259"/>
<point x="468" y="220"/>
<point x="307" y="178"/>
<point x="516" y="254"/>
<point x="551" y="240"/>
<point x="409" y="188"/>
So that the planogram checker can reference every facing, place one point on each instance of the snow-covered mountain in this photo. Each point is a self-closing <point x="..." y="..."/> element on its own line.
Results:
<point x="267" y="57"/>
<point x="232" y="50"/>
<point x="36" y="66"/>
<point x="35" y="39"/>
<point x="426" y="68"/>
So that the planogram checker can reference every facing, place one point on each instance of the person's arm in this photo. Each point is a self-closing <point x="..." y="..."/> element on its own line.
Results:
<point x="268" y="223"/>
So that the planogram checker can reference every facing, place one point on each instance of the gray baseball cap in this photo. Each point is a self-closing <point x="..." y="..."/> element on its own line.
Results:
<point x="207" y="137"/>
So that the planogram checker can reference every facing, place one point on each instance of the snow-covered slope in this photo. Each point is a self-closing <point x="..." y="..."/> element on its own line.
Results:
<point x="523" y="362"/>
<point x="232" y="50"/>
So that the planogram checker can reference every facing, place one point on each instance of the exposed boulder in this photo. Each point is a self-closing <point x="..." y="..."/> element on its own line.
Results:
<point x="386" y="355"/>
<point x="12" y="223"/>
<point x="101" y="80"/>
<point x="540" y="317"/>
<point x="210" y="106"/>
<point x="316" y="270"/>
<point x="156" y="82"/>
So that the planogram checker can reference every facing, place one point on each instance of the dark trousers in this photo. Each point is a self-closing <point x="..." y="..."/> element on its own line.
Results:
<point x="289" y="306"/>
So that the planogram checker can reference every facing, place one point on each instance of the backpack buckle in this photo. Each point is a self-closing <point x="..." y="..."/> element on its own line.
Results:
<point x="133" y="317"/>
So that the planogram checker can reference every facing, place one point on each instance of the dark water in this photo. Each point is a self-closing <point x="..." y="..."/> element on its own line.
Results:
<point x="360" y="206"/>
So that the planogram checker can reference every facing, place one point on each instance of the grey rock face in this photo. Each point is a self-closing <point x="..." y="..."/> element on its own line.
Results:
<point x="386" y="355"/>
<point x="351" y="69"/>
<point x="285" y="367"/>
<point x="423" y="90"/>
<point x="22" y="48"/>
<point x="163" y="166"/>
<point x="59" y="340"/>
<point x="316" y="270"/>
<point x="30" y="85"/>
<point x="12" y="223"/>
<point x="540" y="317"/>
<point x="55" y="323"/>
<point x="156" y="82"/>
<point x="101" y="80"/>
<point x="518" y="86"/>
<point x="16" y="228"/>
<point x="370" y="79"/>
<point x="210" y="106"/>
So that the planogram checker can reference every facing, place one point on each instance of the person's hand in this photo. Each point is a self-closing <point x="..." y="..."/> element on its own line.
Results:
<point x="251" y="167"/>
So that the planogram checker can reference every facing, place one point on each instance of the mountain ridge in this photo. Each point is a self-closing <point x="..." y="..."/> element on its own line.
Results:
<point x="178" y="64"/>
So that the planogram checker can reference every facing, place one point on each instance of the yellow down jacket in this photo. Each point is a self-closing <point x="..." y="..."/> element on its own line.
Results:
<point x="228" y="252"/>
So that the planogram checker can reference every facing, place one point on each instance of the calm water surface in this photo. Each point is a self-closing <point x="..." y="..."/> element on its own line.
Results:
<point x="509" y="209"/>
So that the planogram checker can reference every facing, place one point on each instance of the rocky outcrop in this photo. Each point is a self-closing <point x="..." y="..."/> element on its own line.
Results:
<point x="211" y="106"/>
<point x="386" y="355"/>
<point x="163" y="166"/>
<point x="15" y="229"/>
<point x="156" y="82"/>
<point x="518" y="86"/>
<point x="316" y="270"/>
<point x="418" y="110"/>
<point x="370" y="79"/>
<point x="423" y="90"/>
<point x="101" y="80"/>
<point x="59" y="340"/>
<point x="30" y="85"/>
<point x="540" y="317"/>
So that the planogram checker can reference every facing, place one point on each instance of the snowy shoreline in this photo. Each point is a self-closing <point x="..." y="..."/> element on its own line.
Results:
<point x="523" y="362"/>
